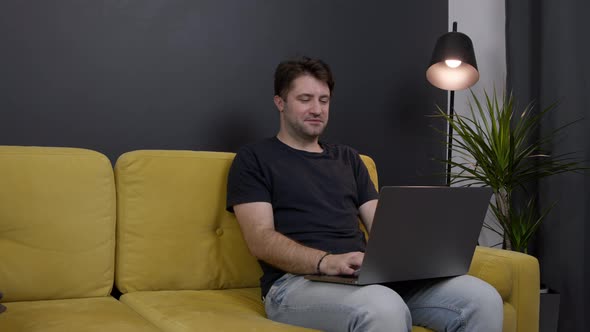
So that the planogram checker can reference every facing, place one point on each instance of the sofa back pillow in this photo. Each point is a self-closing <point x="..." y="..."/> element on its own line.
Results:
<point x="173" y="232"/>
<point x="372" y="168"/>
<point x="57" y="223"/>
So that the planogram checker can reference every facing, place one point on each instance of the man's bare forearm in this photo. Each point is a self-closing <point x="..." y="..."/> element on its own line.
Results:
<point x="284" y="253"/>
<point x="264" y="242"/>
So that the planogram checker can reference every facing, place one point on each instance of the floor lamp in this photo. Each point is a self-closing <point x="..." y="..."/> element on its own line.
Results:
<point x="452" y="67"/>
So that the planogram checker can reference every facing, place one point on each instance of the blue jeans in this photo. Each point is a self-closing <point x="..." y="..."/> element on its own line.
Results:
<point x="462" y="303"/>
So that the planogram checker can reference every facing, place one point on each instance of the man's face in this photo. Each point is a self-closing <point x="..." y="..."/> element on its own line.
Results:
<point x="305" y="112"/>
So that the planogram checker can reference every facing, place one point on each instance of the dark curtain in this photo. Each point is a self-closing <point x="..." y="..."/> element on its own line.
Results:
<point x="547" y="57"/>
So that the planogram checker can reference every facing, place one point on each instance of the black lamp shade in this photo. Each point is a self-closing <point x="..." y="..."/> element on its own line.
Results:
<point x="453" y="46"/>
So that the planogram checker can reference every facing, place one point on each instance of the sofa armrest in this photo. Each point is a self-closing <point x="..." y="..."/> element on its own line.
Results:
<point x="516" y="277"/>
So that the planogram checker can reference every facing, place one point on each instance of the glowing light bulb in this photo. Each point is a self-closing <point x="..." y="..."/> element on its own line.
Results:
<point x="453" y="63"/>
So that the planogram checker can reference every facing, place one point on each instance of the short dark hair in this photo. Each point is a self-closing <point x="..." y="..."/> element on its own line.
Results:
<point x="288" y="71"/>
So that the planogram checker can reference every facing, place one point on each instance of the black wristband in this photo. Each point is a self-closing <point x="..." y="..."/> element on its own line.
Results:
<point x="320" y="262"/>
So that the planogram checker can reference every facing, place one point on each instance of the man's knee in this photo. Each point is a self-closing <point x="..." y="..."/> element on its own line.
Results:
<point x="487" y="304"/>
<point x="382" y="310"/>
<point x="487" y="297"/>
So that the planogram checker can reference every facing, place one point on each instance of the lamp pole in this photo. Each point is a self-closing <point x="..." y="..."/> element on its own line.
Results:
<point x="450" y="130"/>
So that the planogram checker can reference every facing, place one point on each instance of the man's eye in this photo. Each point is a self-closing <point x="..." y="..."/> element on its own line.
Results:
<point x="324" y="101"/>
<point x="304" y="100"/>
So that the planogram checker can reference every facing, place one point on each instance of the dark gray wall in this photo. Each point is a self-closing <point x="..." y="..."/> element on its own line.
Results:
<point x="115" y="76"/>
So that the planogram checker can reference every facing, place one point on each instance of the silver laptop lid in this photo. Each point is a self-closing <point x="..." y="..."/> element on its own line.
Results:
<point x="423" y="232"/>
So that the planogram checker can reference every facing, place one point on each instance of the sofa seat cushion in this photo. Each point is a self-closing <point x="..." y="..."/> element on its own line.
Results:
<point x="89" y="314"/>
<point x="208" y="310"/>
<point x="205" y="310"/>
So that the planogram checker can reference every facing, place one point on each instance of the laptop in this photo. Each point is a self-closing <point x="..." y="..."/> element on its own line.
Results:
<point x="420" y="233"/>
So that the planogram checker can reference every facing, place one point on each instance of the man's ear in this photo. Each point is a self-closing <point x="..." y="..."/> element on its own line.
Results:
<point x="279" y="103"/>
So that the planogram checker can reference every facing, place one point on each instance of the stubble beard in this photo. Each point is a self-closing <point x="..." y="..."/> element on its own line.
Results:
<point x="303" y="131"/>
<point x="307" y="133"/>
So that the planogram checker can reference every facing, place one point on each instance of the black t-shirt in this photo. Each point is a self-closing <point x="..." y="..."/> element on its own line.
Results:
<point x="315" y="196"/>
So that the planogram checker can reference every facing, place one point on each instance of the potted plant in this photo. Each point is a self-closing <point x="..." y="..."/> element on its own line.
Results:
<point x="497" y="147"/>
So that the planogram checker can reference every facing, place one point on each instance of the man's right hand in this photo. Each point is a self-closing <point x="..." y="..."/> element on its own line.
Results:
<point x="342" y="264"/>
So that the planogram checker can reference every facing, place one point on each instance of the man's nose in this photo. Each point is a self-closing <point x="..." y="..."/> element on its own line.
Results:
<point x="316" y="108"/>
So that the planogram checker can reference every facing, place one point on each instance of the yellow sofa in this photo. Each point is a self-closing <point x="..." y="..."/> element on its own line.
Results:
<point x="179" y="259"/>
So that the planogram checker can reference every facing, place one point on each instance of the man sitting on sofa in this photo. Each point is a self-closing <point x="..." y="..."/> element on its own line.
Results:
<point x="297" y="200"/>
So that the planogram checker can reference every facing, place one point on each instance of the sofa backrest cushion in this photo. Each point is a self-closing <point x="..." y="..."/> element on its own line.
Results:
<point x="372" y="168"/>
<point x="173" y="231"/>
<point x="57" y="223"/>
